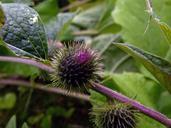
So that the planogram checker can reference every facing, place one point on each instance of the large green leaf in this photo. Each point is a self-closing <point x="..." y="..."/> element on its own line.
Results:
<point x="159" y="67"/>
<point x="135" y="85"/>
<point x="133" y="18"/>
<point x="23" y="29"/>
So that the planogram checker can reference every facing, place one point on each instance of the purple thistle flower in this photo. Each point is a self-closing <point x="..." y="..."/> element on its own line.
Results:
<point x="75" y="67"/>
<point x="83" y="56"/>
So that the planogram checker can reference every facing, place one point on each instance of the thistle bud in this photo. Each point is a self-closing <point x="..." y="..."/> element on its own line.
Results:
<point x="115" y="116"/>
<point x="75" y="66"/>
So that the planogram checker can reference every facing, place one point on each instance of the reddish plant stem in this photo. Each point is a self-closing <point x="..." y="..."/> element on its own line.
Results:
<point x="55" y="90"/>
<point x="27" y="61"/>
<point x="102" y="89"/>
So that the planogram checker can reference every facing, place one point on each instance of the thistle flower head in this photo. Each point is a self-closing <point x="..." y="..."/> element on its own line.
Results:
<point x="115" y="116"/>
<point x="75" y="66"/>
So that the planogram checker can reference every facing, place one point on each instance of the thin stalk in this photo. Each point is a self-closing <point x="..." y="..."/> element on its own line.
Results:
<point x="143" y="109"/>
<point x="29" y="95"/>
<point x="55" y="90"/>
<point x="27" y="61"/>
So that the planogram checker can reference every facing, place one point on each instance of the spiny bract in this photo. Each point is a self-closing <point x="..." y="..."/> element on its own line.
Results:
<point x="115" y="116"/>
<point x="75" y="66"/>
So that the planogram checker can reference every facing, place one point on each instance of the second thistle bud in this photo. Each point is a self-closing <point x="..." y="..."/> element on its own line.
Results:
<point x="115" y="116"/>
<point x="75" y="66"/>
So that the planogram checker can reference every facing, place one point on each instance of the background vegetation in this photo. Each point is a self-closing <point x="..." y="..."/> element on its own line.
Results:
<point x="139" y="69"/>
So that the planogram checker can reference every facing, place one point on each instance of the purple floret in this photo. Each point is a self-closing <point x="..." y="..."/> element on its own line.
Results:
<point x="83" y="56"/>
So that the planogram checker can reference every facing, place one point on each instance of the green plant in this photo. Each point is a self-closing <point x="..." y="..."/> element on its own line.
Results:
<point x="124" y="92"/>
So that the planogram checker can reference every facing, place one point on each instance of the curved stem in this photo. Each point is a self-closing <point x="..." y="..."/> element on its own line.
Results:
<point x="27" y="61"/>
<point x="143" y="109"/>
<point x="14" y="82"/>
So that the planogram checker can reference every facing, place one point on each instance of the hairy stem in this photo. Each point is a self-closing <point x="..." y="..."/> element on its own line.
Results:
<point x="143" y="109"/>
<point x="55" y="90"/>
